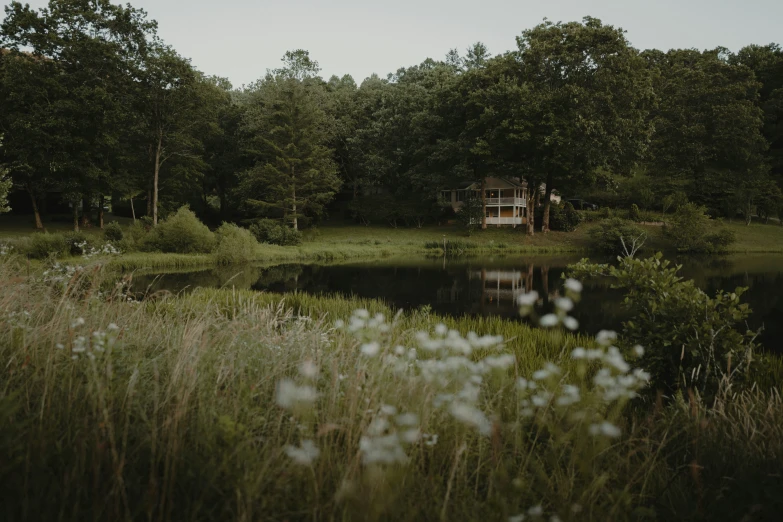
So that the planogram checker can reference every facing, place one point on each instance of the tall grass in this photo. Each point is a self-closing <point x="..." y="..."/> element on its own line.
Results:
<point x="172" y="409"/>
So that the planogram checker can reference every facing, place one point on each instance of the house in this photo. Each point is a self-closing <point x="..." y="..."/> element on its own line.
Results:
<point x="506" y="199"/>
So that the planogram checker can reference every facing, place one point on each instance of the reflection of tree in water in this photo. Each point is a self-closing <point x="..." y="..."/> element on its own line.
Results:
<point x="457" y="288"/>
<point x="280" y="278"/>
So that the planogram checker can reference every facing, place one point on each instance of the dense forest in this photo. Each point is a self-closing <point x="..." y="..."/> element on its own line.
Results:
<point x="96" y="110"/>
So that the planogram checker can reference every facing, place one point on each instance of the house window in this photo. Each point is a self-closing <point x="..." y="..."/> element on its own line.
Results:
<point x="462" y="195"/>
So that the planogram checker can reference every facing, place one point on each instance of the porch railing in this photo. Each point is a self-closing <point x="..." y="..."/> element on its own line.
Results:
<point x="518" y="202"/>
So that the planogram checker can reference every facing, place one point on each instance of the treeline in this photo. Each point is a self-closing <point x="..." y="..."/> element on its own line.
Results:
<point x="96" y="107"/>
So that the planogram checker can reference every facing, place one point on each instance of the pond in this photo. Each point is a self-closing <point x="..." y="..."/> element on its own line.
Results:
<point x="490" y="285"/>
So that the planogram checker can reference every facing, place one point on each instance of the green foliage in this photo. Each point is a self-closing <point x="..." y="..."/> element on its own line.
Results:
<point x="635" y="213"/>
<point x="180" y="233"/>
<point x="470" y="214"/>
<point x="689" y="231"/>
<point x="275" y="233"/>
<point x="113" y="232"/>
<point x="234" y="245"/>
<point x="564" y="217"/>
<point x="691" y="340"/>
<point x="616" y="236"/>
<point x="45" y="245"/>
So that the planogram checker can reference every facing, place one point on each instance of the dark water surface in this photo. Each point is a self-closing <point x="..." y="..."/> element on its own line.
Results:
<point x="489" y="285"/>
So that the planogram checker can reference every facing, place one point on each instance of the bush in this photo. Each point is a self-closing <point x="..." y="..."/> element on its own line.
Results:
<point x="721" y="240"/>
<point x="181" y="233"/>
<point x="688" y="231"/>
<point x="78" y="242"/>
<point x="470" y="214"/>
<point x="275" y="233"/>
<point x="42" y="246"/>
<point x="691" y="340"/>
<point x="610" y="234"/>
<point x="234" y="245"/>
<point x="113" y="232"/>
<point x="564" y="217"/>
<point x="635" y="213"/>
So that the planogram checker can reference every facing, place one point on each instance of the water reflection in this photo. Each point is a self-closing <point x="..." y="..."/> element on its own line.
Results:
<point x="490" y="286"/>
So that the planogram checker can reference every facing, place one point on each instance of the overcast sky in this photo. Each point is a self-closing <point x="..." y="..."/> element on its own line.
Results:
<point x="240" y="39"/>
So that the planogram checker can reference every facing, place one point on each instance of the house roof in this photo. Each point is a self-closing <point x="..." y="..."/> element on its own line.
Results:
<point x="493" y="183"/>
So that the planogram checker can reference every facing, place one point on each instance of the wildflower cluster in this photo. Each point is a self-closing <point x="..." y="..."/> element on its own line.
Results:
<point x="5" y="249"/>
<point x="387" y="435"/>
<point x="89" y="252"/>
<point x="90" y="344"/>
<point x="300" y="399"/>
<point x="563" y="305"/>
<point x="60" y="274"/>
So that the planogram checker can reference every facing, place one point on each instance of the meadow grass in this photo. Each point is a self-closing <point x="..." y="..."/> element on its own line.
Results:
<point x="235" y="405"/>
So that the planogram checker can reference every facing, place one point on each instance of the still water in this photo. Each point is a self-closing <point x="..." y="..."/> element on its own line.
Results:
<point x="490" y="285"/>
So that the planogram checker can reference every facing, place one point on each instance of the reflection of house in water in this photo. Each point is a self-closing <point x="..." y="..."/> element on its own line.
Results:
<point x="500" y="285"/>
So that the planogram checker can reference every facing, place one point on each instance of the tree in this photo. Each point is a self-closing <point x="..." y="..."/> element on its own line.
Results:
<point x="171" y="105"/>
<point x="591" y="92"/>
<point x="5" y="185"/>
<point x="293" y="170"/>
<point x="708" y="126"/>
<point x="82" y="56"/>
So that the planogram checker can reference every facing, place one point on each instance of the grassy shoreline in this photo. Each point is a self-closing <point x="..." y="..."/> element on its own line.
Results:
<point x="340" y="242"/>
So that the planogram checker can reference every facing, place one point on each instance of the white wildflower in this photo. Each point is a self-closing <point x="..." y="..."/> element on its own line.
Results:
<point x="362" y="313"/>
<point x="305" y="454"/>
<point x="516" y="518"/>
<point x="564" y="304"/>
<point x="289" y="394"/>
<point x="430" y="439"/>
<point x="471" y="415"/>
<point x="441" y="329"/>
<point x="78" y="322"/>
<point x="339" y="324"/>
<point x="388" y="410"/>
<point x="606" y="337"/>
<point x="578" y="353"/>
<point x="548" y="321"/>
<point x="528" y="299"/>
<point x="638" y="350"/>
<point x="410" y="436"/>
<point x="308" y="369"/>
<point x="570" y="323"/>
<point x="371" y="349"/>
<point x="605" y="428"/>
<point x="573" y="285"/>
<point x="535" y="511"/>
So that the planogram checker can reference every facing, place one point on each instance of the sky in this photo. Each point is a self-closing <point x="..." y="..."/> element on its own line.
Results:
<point x="241" y="39"/>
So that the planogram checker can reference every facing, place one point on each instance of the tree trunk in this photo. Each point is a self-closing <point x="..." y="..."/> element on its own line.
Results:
<point x="547" y="203"/>
<point x="293" y="207"/>
<point x="155" y="180"/>
<point x="149" y="203"/>
<point x="483" y="204"/>
<point x="133" y="210"/>
<point x="36" y="212"/>
<point x="75" y="216"/>
<point x="355" y="188"/>
<point x="531" y="211"/>
<point x="101" y="201"/>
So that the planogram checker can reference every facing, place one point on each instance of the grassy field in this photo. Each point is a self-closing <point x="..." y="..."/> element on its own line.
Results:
<point x="340" y="241"/>
<point x="235" y="405"/>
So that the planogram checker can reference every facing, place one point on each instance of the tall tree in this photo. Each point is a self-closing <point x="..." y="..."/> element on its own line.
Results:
<point x="708" y="128"/>
<point x="592" y="92"/>
<point x="288" y="130"/>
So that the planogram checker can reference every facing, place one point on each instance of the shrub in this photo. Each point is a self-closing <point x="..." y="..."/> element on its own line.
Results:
<point x="234" y="245"/>
<point x="610" y="235"/>
<point x="113" y="232"/>
<point x="470" y="214"/>
<point x="721" y="240"/>
<point x="635" y="213"/>
<point x="275" y="233"/>
<point x="688" y="231"/>
<point x="564" y="217"/>
<point x="42" y="246"/>
<point x="78" y="243"/>
<point x="180" y="233"/>
<point x="691" y="340"/>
